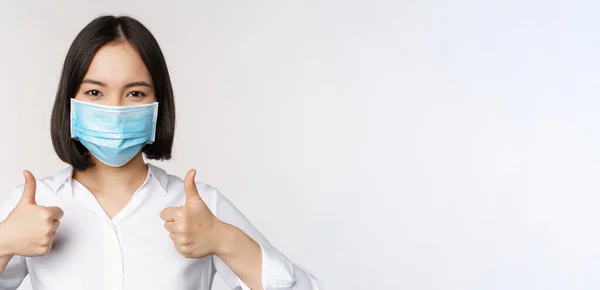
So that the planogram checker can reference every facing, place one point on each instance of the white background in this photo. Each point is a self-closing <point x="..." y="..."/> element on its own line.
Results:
<point x="382" y="145"/>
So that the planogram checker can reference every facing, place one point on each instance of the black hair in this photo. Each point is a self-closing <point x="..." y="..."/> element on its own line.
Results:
<point x="99" y="32"/>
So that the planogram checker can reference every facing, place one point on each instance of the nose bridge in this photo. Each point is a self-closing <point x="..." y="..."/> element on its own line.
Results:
<point x="115" y="99"/>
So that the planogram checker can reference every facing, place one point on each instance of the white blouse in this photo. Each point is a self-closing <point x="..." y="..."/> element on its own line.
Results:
<point x="133" y="250"/>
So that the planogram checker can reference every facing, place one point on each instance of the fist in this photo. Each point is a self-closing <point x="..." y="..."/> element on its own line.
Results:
<point x="30" y="228"/>
<point x="192" y="227"/>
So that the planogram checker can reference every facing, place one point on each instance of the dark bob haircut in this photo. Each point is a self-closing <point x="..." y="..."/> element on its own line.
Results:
<point x="99" y="32"/>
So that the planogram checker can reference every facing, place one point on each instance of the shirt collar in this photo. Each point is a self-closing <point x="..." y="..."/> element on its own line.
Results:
<point x="62" y="177"/>
<point x="159" y="175"/>
<point x="66" y="176"/>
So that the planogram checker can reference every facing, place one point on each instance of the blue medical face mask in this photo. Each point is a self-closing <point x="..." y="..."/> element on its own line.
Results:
<point x="111" y="133"/>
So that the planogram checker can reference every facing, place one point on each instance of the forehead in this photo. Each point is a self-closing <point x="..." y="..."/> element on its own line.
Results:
<point x="117" y="64"/>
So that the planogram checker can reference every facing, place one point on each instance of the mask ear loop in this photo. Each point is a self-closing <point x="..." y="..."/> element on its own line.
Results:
<point x="72" y="116"/>
<point x="154" y="120"/>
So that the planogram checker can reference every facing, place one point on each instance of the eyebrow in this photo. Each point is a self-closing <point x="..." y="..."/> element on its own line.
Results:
<point x="93" y="82"/>
<point x="129" y="85"/>
<point x="138" y="84"/>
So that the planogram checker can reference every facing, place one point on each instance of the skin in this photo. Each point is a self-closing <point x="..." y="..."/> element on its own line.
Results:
<point x="117" y="76"/>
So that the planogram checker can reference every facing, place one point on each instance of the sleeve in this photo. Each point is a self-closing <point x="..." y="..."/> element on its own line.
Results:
<point x="16" y="270"/>
<point x="278" y="272"/>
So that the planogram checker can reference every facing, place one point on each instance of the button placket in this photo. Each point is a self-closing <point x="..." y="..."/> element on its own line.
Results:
<point x="113" y="259"/>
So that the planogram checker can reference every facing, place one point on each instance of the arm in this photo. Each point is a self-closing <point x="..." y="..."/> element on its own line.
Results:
<point x="12" y="268"/>
<point x="5" y="255"/>
<point x="14" y="271"/>
<point x="26" y="230"/>
<point x="241" y="254"/>
<point x="4" y="262"/>
<point x="245" y="263"/>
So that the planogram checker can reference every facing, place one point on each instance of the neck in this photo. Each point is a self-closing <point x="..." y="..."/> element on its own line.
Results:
<point x="104" y="178"/>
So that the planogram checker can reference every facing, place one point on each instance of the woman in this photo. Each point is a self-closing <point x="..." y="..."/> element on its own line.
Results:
<point x="111" y="221"/>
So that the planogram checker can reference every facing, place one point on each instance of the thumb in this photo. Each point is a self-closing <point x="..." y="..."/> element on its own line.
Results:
<point x="189" y="185"/>
<point x="29" y="189"/>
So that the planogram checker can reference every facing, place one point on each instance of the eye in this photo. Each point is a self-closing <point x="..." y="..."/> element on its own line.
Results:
<point x="136" y="94"/>
<point x="94" y="93"/>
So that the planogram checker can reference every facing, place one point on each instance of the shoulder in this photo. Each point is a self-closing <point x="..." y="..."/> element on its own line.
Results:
<point x="9" y="200"/>
<point x="46" y="187"/>
<point x="43" y="185"/>
<point x="173" y="185"/>
<point x="50" y="183"/>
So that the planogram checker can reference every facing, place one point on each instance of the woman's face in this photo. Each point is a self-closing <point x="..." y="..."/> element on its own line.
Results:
<point x="117" y="76"/>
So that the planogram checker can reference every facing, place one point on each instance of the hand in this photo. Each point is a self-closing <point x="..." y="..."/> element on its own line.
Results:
<point x="192" y="227"/>
<point x="29" y="229"/>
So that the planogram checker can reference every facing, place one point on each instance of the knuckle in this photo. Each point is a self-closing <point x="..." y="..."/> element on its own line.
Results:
<point x="39" y="251"/>
<point x="165" y="211"/>
<point x="45" y="241"/>
<point x="180" y="213"/>
<point x="45" y="215"/>
<point x="176" y="238"/>
<point x="42" y="250"/>
<point x="182" y="240"/>
<point x="184" y="250"/>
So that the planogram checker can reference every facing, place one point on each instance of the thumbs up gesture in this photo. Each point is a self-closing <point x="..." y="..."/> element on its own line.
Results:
<point x="30" y="228"/>
<point x="192" y="227"/>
